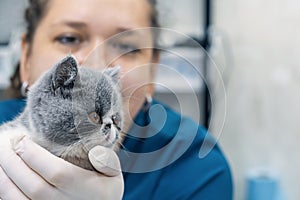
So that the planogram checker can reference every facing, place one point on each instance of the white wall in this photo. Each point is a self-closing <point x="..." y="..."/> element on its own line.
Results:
<point x="262" y="126"/>
<point x="11" y="17"/>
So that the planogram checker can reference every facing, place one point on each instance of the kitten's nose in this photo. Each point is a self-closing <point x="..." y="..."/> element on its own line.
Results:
<point x="107" y="126"/>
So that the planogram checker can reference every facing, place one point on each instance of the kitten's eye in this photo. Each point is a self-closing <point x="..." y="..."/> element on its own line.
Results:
<point x="95" y="118"/>
<point x="116" y="119"/>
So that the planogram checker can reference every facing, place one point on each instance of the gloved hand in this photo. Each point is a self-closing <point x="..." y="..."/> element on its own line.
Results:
<point x="30" y="172"/>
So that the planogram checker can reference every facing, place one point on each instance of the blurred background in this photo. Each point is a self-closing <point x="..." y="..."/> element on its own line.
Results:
<point x="261" y="128"/>
<point x="253" y="44"/>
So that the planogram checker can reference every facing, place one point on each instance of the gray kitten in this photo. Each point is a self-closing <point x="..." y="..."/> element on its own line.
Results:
<point x="70" y="110"/>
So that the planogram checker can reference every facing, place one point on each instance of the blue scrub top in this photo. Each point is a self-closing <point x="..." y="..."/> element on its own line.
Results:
<point x="160" y="157"/>
<point x="9" y="109"/>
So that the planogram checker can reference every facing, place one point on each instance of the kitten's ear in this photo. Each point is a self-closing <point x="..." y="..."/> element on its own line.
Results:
<point x="64" y="76"/>
<point x="114" y="73"/>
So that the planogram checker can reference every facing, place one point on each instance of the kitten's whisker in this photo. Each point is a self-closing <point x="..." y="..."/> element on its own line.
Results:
<point x="122" y="145"/>
<point x="77" y="125"/>
<point x="124" y="134"/>
<point x="126" y="150"/>
<point x="84" y="147"/>
<point x="69" y="148"/>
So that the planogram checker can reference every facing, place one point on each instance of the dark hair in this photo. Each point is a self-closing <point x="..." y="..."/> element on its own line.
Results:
<point x="155" y="23"/>
<point x="154" y="14"/>
<point x="33" y="15"/>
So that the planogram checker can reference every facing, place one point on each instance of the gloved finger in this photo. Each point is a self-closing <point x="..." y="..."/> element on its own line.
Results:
<point x="8" y="190"/>
<point x="105" y="161"/>
<point x="30" y="183"/>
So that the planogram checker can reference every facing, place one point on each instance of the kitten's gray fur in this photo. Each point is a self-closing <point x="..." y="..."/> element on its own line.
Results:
<point x="63" y="106"/>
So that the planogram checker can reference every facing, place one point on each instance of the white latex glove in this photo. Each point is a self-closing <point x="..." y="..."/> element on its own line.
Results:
<point x="30" y="172"/>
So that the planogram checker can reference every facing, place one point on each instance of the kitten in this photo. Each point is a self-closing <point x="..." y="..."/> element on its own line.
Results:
<point x="70" y="110"/>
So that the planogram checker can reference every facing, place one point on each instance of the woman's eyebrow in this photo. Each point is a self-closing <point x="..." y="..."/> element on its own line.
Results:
<point x="127" y="31"/>
<point x="72" y="24"/>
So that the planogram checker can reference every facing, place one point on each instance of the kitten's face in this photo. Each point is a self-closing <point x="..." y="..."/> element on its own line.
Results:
<point x="76" y="108"/>
<point x="97" y="106"/>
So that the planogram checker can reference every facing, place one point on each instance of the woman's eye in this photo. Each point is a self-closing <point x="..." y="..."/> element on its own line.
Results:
<point x="95" y="118"/>
<point x="116" y="121"/>
<point x="68" y="40"/>
<point x="125" y="48"/>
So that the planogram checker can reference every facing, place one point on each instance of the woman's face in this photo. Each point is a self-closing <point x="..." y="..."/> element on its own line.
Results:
<point x="88" y="29"/>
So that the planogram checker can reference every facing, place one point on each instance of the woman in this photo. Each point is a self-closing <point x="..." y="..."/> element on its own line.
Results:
<point x="108" y="28"/>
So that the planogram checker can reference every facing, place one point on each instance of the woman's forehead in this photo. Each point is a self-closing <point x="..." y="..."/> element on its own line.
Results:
<point x="129" y="14"/>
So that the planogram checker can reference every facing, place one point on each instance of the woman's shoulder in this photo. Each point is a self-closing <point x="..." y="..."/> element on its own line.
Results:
<point x="176" y="124"/>
<point x="202" y="161"/>
<point x="191" y="136"/>
<point x="179" y="152"/>
<point x="163" y="126"/>
<point x="9" y="109"/>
